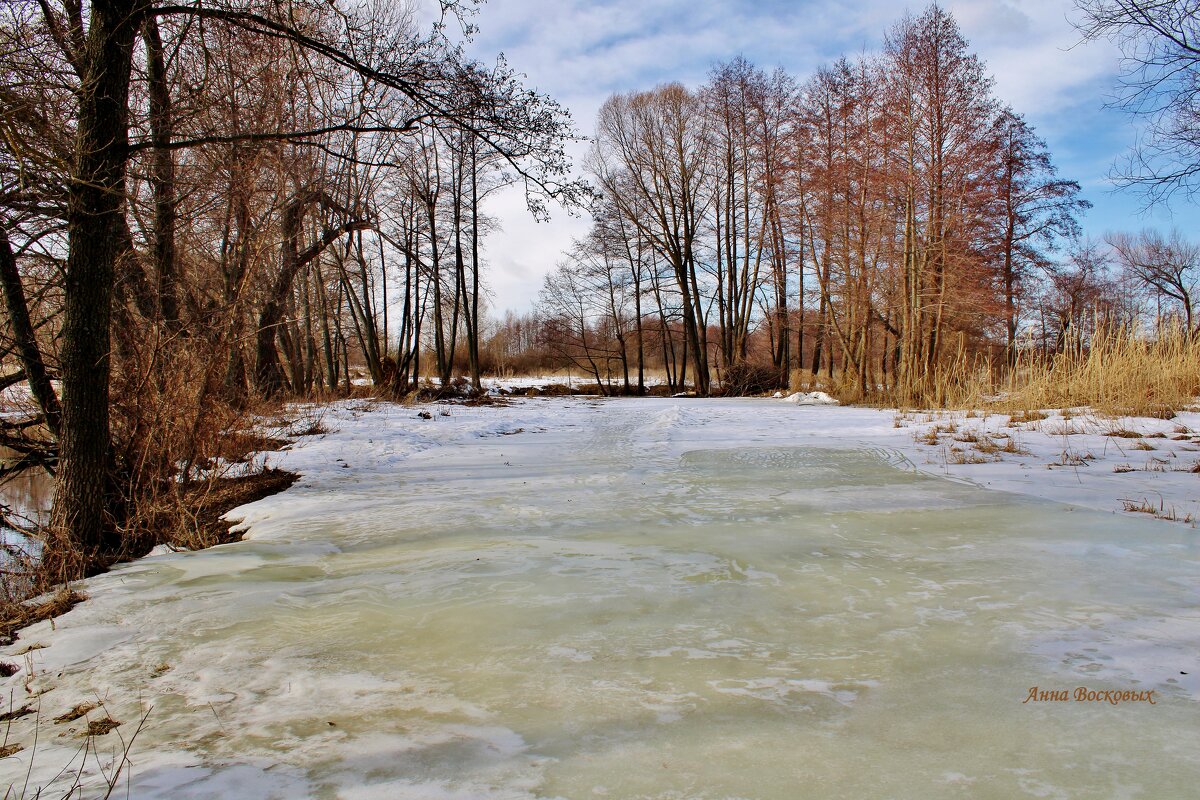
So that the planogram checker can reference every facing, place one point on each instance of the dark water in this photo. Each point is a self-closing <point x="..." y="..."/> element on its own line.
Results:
<point x="25" y="497"/>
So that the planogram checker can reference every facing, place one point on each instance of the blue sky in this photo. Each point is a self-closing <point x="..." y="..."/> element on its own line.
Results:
<point x="580" y="52"/>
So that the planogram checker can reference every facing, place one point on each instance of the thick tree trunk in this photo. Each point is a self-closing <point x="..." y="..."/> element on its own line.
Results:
<point x="268" y="373"/>
<point x="81" y="533"/>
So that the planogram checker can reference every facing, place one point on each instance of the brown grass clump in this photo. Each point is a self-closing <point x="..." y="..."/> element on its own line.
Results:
<point x="957" y="455"/>
<point x="23" y="711"/>
<point x="552" y="390"/>
<point x="1070" y="458"/>
<point x="99" y="727"/>
<point x="743" y="379"/>
<point x="1141" y="506"/>
<point x="191" y="516"/>
<point x="238" y="446"/>
<point x="81" y="710"/>
<point x="1011" y="446"/>
<point x="929" y="437"/>
<point x="1144" y="506"/>
<point x="1001" y="444"/>
<point x="1120" y="372"/>
<point x="14" y="616"/>
<point x="314" y="427"/>
<point x="486" y="400"/>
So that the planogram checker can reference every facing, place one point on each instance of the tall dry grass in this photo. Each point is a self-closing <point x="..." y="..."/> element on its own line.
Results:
<point x="182" y="454"/>
<point x="1119" y="371"/>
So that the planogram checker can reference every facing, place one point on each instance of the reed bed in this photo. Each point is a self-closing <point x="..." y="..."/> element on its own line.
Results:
<point x="1116" y="371"/>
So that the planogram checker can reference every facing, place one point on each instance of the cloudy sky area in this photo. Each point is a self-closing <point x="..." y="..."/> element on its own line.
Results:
<point x="580" y="52"/>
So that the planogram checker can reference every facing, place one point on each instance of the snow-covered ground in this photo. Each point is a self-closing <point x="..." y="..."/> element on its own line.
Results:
<point x="661" y="598"/>
<point x="1077" y="457"/>
<point x="572" y="379"/>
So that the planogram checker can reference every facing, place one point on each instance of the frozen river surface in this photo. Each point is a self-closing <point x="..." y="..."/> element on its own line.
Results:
<point x="632" y="599"/>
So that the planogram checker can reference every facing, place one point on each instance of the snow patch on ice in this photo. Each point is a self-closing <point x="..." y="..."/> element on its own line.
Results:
<point x="810" y="399"/>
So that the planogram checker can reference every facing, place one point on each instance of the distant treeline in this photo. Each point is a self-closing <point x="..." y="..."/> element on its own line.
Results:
<point x="876" y="224"/>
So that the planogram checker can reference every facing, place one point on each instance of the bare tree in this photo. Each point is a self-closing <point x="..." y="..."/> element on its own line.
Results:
<point x="106" y="112"/>
<point x="942" y="107"/>
<point x="1076" y="292"/>
<point x="577" y="327"/>
<point x="650" y="155"/>
<point x="1160" y="41"/>
<point x="1169" y="266"/>
<point x="1037" y="211"/>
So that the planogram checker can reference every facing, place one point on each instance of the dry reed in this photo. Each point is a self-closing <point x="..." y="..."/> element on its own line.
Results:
<point x="1117" y="371"/>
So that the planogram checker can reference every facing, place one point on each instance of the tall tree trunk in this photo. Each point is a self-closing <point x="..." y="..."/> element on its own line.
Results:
<point x="473" y="311"/>
<point x="268" y="374"/>
<point x="162" y="178"/>
<point x="81" y="534"/>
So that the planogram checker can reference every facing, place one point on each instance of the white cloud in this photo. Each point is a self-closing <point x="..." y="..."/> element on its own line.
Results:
<point x="518" y="256"/>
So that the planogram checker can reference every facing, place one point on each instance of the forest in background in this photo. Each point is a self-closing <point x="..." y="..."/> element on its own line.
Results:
<point x="212" y="207"/>
<point x="876" y="228"/>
